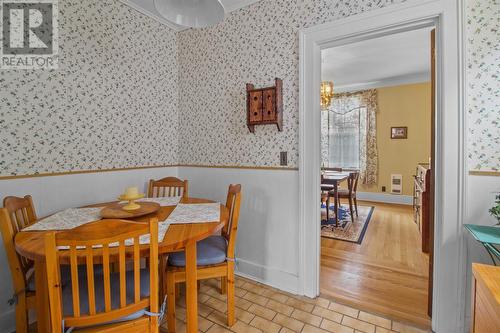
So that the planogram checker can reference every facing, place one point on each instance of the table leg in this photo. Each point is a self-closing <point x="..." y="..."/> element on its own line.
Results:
<point x="191" y="288"/>
<point x="42" y="298"/>
<point x="335" y="186"/>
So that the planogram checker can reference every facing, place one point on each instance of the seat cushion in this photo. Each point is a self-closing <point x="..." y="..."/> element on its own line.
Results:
<point x="326" y="187"/>
<point x="67" y="296"/>
<point x="210" y="251"/>
<point x="344" y="193"/>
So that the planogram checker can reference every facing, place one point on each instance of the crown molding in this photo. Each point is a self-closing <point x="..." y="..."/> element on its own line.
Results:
<point x="235" y="5"/>
<point x="386" y="82"/>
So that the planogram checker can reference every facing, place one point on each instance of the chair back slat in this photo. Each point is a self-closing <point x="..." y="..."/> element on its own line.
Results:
<point x="90" y="280"/>
<point x="137" y="271"/>
<point x="168" y="187"/>
<point x="230" y="230"/>
<point x="16" y="214"/>
<point x="123" y="279"/>
<point x="75" y="284"/>
<point x="53" y="280"/>
<point x="153" y="278"/>
<point x="91" y="244"/>
<point x="106" y="277"/>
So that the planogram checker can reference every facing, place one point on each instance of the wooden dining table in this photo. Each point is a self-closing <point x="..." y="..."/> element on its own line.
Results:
<point x="333" y="178"/>
<point x="179" y="237"/>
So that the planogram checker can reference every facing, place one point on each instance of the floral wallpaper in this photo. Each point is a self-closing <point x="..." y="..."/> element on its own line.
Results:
<point x="483" y="79"/>
<point x="131" y="92"/>
<point x="252" y="45"/>
<point x="111" y="104"/>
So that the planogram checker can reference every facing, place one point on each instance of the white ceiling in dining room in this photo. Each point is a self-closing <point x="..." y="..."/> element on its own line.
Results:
<point x="391" y="60"/>
<point x="147" y="7"/>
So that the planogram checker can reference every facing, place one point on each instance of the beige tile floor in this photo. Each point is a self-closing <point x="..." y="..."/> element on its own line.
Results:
<point x="260" y="308"/>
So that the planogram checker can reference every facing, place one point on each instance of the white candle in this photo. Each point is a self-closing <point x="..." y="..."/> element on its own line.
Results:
<point x="131" y="192"/>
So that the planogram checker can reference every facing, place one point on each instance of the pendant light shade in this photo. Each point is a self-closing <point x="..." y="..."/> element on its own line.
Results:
<point x="191" y="13"/>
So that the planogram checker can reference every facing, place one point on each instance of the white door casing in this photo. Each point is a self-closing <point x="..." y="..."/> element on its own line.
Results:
<point x="449" y="259"/>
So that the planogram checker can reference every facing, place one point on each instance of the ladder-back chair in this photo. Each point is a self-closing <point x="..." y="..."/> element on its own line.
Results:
<point x="168" y="187"/>
<point x="98" y="300"/>
<point x="351" y="193"/>
<point x="215" y="257"/>
<point x="17" y="214"/>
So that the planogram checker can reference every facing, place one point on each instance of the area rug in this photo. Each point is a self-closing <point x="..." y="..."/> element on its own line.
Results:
<point x="346" y="229"/>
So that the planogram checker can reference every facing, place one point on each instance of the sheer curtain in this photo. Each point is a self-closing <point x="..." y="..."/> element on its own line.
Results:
<point x="349" y="137"/>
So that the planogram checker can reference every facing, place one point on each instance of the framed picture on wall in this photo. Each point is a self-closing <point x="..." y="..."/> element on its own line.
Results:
<point x="399" y="132"/>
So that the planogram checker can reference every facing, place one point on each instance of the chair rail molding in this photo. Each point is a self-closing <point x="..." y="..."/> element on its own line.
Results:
<point x="449" y="264"/>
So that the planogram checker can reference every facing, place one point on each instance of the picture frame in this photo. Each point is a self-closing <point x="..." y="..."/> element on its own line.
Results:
<point x="398" y="133"/>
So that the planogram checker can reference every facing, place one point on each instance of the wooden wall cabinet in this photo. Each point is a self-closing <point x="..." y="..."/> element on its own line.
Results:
<point x="485" y="299"/>
<point x="265" y="106"/>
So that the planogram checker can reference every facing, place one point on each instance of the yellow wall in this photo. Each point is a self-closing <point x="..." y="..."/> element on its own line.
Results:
<point x="410" y="106"/>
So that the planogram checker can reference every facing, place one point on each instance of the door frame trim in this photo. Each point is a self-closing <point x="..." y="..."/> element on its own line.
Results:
<point x="449" y="260"/>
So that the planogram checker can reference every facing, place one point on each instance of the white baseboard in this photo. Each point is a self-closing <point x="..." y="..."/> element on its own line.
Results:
<point x="8" y="321"/>
<point x="275" y="278"/>
<point x="386" y="198"/>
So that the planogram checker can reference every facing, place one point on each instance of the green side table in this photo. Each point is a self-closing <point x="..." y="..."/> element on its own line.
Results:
<point x="489" y="237"/>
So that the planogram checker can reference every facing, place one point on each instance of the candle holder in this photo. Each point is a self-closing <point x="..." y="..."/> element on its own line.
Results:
<point x="131" y="201"/>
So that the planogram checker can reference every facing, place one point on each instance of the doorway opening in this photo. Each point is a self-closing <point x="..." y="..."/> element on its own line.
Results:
<point x="377" y="190"/>
<point x="448" y="277"/>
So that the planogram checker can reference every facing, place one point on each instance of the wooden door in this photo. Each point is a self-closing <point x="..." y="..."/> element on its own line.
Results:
<point x="432" y="187"/>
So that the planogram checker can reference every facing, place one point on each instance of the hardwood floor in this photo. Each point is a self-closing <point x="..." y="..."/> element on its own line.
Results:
<point x="386" y="274"/>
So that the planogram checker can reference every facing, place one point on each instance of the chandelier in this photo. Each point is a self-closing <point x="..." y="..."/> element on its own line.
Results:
<point x="326" y="94"/>
<point x="191" y="13"/>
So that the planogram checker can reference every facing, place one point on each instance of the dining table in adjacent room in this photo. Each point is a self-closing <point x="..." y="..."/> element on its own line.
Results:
<point x="334" y="178"/>
<point x="178" y="237"/>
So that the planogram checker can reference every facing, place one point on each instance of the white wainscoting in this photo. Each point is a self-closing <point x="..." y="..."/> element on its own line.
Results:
<point x="53" y="193"/>
<point x="267" y="246"/>
<point x="386" y="198"/>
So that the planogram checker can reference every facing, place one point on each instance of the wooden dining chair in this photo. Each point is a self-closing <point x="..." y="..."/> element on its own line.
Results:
<point x="101" y="301"/>
<point x="350" y="193"/>
<point x="215" y="258"/>
<point x="17" y="214"/>
<point x="168" y="187"/>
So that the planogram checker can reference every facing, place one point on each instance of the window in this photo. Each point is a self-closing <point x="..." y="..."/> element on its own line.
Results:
<point x="346" y="128"/>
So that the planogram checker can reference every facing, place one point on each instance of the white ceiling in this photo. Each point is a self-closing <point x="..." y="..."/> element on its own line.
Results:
<point x="386" y="61"/>
<point x="147" y="7"/>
